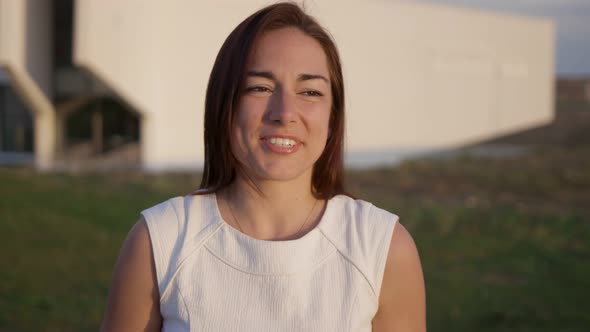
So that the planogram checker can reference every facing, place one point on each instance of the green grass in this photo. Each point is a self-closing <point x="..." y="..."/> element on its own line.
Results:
<point x="505" y="244"/>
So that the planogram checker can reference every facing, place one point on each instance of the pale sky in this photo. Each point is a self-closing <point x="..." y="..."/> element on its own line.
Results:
<point x="572" y="20"/>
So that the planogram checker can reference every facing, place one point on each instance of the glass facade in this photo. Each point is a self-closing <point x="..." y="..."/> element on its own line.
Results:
<point x="16" y="122"/>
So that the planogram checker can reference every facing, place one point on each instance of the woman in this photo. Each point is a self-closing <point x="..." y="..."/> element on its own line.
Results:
<point x="270" y="242"/>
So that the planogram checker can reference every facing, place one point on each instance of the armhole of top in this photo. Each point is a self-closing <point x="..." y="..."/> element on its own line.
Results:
<point x="162" y="223"/>
<point x="365" y="242"/>
<point x="390" y="221"/>
<point x="169" y="231"/>
<point x="156" y="247"/>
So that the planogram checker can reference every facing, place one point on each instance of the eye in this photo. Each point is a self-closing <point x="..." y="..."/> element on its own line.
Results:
<point x="312" y="93"/>
<point x="257" y="89"/>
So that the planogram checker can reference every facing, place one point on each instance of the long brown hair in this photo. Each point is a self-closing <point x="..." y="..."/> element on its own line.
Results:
<point x="223" y="93"/>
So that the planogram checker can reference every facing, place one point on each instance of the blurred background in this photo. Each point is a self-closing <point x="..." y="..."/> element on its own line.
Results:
<point x="468" y="118"/>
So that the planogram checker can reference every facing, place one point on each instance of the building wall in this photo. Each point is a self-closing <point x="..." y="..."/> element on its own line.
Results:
<point x="11" y="40"/>
<point x="417" y="76"/>
<point x="25" y="40"/>
<point x="25" y="55"/>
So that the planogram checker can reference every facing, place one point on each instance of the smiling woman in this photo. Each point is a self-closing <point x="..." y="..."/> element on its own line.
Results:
<point x="282" y="118"/>
<point x="270" y="241"/>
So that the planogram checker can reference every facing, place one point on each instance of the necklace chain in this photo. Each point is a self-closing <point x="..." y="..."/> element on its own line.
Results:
<point x="231" y="210"/>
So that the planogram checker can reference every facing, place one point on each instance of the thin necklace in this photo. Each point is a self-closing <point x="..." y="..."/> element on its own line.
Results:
<point x="231" y="210"/>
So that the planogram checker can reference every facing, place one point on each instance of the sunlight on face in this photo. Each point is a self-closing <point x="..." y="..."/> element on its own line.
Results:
<point x="281" y="122"/>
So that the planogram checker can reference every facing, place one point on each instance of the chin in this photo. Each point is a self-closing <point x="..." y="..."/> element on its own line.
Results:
<point x="283" y="172"/>
<point x="282" y="175"/>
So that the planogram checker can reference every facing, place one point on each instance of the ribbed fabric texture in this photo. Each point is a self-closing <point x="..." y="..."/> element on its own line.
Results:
<point x="211" y="277"/>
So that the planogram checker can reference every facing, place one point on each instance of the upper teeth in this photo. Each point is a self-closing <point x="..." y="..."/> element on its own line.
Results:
<point x="282" y="142"/>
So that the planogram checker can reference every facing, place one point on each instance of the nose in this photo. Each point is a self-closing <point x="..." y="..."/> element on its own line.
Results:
<point x="282" y="108"/>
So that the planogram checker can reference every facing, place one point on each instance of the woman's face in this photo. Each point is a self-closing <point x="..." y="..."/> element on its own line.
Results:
<point x="281" y="123"/>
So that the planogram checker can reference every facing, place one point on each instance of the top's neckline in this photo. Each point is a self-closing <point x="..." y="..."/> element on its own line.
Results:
<point x="217" y="212"/>
<point x="266" y="257"/>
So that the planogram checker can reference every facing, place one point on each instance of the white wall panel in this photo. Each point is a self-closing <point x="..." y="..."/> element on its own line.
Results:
<point x="417" y="76"/>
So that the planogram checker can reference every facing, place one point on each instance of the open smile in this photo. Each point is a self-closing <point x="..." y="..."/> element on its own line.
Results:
<point x="281" y="144"/>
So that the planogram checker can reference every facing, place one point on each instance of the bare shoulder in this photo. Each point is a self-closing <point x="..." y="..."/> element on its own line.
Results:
<point x="402" y="302"/>
<point x="133" y="303"/>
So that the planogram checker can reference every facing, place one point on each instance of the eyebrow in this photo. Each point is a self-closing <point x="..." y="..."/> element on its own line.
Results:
<point x="307" y="77"/>
<point x="269" y="75"/>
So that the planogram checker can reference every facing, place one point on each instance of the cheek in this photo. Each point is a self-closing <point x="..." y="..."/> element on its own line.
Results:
<point x="249" y="114"/>
<point x="323" y="121"/>
<point x="241" y="124"/>
<point x="244" y="131"/>
<point x="237" y="134"/>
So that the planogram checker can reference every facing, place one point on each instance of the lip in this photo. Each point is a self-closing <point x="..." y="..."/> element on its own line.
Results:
<point x="280" y="149"/>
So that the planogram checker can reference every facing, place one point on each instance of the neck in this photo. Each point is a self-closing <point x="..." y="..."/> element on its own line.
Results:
<point x="271" y="210"/>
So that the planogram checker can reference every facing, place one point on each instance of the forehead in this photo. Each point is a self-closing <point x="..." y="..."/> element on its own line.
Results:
<point x="288" y="49"/>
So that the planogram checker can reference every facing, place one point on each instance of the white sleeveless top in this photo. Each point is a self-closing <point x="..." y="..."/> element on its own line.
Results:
<point x="211" y="277"/>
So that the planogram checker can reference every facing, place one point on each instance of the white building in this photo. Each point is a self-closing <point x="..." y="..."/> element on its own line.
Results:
<point x="417" y="76"/>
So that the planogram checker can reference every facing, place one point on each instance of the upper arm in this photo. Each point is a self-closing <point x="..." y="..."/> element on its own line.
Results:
<point x="402" y="301"/>
<point x="133" y="303"/>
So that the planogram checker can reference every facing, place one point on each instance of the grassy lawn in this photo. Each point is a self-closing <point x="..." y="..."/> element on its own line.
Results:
<point x="505" y="244"/>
